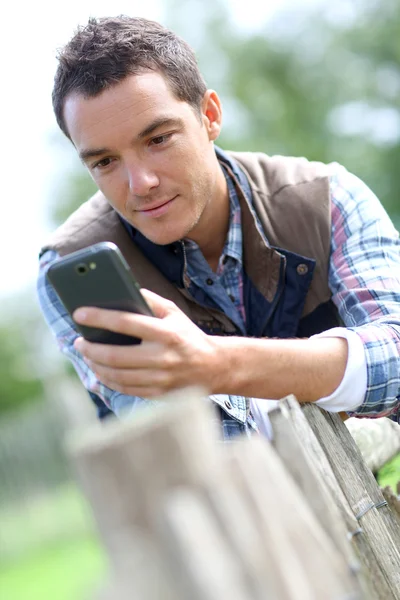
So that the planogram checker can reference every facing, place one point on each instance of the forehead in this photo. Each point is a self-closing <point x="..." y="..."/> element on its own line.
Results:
<point x="134" y="101"/>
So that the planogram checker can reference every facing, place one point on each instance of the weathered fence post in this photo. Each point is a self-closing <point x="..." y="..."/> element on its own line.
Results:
<point x="129" y="469"/>
<point x="306" y="561"/>
<point x="393" y="501"/>
<point x="298" y="446"/>
<point x="184" y="516"/>
<point x="304" y="458"/>
<point x="375" y="519"/>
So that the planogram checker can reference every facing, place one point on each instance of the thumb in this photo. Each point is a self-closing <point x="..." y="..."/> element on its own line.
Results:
<point x="159" y="305"/>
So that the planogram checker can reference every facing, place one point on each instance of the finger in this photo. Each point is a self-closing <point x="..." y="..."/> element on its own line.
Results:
<point x="159" y="305"/>
<point x="128" y="378"/>
<point x="145" y="355"/>
<point x="148" y="393"/>
<point x="141" y="326"/>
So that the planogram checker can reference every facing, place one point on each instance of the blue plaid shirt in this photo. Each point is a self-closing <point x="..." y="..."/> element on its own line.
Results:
<point x="364" y="278"/>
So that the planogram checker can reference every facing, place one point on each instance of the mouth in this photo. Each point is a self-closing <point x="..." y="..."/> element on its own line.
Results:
<point x="157" y="209"/>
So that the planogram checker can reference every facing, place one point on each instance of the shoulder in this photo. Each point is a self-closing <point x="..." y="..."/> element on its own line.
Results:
<point x="356" y="210"/>
<point x="83" y="227"/>
<point x="271" y="174"/>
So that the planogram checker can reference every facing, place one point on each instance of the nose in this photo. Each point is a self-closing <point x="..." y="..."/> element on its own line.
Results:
<point x="141" y="178"/>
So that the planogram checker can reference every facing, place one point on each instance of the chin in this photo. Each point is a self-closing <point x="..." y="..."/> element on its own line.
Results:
<point x="164" y="238"/>
<point x="167" y="235"/>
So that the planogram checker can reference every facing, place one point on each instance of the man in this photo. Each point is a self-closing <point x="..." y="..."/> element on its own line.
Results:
<point x="252" y="248"/>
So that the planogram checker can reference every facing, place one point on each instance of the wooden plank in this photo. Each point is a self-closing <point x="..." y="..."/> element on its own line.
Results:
<point x="304" y="559"/>
<point x="305" y="460"/>
<point x="361" y="490"/>
<point x="202" y="560"/>
<point x="128" y="468"/>
<point x="242" y="532"/>
<point x="392" y="500"/>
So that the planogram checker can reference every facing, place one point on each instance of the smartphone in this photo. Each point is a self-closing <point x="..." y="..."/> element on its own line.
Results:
<point x="98" y="276"/>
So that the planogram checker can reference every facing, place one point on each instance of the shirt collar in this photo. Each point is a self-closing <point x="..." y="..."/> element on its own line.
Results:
<point x="233" y="244"/>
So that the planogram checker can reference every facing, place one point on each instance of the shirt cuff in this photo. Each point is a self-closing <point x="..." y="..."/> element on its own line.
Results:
<point x="352" y="390"/>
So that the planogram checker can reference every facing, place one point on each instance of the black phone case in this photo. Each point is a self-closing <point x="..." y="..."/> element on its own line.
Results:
<point x="98" y="276"/>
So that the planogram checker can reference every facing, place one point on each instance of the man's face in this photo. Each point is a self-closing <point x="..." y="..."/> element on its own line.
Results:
<point x="149" y="153"/>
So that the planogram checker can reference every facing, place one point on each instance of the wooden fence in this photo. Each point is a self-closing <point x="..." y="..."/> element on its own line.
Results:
<point x="184" y="516"/>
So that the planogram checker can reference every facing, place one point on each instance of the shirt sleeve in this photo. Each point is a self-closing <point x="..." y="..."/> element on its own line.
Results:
<point x="351" y="391"/>
<point x="63" y="329"/>
<point x="364" y="277"/>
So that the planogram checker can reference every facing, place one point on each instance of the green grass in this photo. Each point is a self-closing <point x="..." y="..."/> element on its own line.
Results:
<point x="49" y="549"/>
<point x="42" y="520"/>
<point x="69" y="571"/>
<point x="390" y="473"/>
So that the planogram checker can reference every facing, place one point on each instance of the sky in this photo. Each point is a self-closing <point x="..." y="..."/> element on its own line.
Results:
<point x="31" y="34"/>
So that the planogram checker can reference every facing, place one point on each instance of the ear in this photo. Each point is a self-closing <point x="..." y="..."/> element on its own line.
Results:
<point x="212" y="114"/>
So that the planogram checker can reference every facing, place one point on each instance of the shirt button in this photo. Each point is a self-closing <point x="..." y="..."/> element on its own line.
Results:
<point x="302" y="269"/>
<point x="209" y="281"/>
<point x="228" y="404"/>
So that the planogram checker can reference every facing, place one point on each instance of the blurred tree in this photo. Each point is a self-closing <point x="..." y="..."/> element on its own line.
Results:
<point x="77" y="187"/>
<point x="20" y="380"/>
<point x="321" y="82"/>
<point x="72" y="185"/>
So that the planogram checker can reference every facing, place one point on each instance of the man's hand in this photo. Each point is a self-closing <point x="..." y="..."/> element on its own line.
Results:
<point x="174" y="352"/>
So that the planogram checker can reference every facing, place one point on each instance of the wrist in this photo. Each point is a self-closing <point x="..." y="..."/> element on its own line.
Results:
<point x="224" y="368"/>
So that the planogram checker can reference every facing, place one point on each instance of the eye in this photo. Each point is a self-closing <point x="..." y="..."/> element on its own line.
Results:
<point x="160" y="139"/>
<point x="104" y="162"/>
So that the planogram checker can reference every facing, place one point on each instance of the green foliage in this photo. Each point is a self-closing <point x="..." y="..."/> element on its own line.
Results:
<point x="324" y="84"/>
<point x="77" y="187"/>
<point x="19" y="382"/>
<point x="389" y="474"/>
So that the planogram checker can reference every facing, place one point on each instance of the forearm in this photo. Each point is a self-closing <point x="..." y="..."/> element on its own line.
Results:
<point x="272" y="368"/>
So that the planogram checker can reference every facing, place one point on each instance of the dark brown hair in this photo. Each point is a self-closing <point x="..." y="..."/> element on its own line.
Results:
<point x="106" y="50"/>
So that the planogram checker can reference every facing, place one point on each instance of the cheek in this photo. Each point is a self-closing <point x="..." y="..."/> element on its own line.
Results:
<point x="115" y="188"/>
<point x="187" y="154"/>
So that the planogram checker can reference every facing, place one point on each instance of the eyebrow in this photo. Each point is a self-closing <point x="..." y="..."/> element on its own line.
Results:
<point x="85" y="155"/>
<point x="160" y="122"/>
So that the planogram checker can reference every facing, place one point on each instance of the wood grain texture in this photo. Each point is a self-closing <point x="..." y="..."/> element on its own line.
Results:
<point x="128" y="469"/>
<point x="361" y="491"/>
<point x="392" y="500"/>
<point x="299" y="449"/>
<point x="307" y="564"/>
